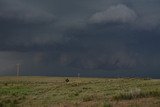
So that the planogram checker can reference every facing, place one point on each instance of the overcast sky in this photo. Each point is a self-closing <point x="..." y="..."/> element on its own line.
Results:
<point x="49" y="36"/>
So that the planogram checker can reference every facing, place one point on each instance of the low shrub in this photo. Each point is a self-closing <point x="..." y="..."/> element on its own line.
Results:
<point x="88" y="98"/>
<point x="107" y="105"/>
<point x="136" y="93"/>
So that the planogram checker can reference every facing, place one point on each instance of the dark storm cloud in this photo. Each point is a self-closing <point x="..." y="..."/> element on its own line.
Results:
<point x="55" y="35"/>
<point x="23" y="13"/>
<point x="22" y="24"/>
<point x="144" y="19"/>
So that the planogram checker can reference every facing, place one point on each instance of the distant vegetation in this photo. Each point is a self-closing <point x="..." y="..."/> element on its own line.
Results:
<point x="79" y="92"/>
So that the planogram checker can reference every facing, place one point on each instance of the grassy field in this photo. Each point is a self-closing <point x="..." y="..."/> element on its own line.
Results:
<point x="82" y="92"/>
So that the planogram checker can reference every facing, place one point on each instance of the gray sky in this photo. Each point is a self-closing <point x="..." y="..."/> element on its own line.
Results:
<point x="48" y="36"/>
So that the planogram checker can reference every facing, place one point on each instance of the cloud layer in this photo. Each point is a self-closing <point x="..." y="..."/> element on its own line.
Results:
<point x="115" y="14"/>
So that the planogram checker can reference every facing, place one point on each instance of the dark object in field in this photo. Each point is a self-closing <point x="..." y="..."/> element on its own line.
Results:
<point x="67" y="80"/>
<point x="5" y="84"/>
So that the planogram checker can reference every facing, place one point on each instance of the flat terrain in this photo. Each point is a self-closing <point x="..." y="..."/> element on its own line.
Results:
<point x="79" y="92"/>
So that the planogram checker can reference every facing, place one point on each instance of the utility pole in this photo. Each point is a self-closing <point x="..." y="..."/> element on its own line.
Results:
<point x="78" y="79"/>
<point x="78" y="75"/>
<point x="18" y="69"/>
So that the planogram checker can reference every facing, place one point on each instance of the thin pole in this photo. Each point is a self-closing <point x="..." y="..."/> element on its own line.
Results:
<point x="78" y="75"/>
<point x="78" y="79"/>
<point x="18" y="69"/>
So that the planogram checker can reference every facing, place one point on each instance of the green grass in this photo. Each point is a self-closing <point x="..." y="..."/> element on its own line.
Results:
<point x="15" y="90"/>
<point x="83" y="92"/>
